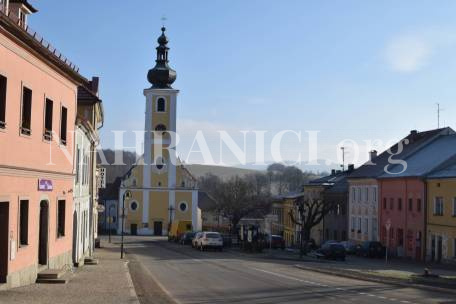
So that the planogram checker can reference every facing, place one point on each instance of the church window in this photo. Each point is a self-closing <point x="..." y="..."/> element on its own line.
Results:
<point x="160" y="127"/>
<point x="183" y="206"/>
<point x="161" y="105"/>
<point x="134" y="206"/>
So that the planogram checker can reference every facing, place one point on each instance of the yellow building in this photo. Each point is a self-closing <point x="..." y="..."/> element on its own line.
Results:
<point x="441" y="215"/>
<point x="163" y="190"/>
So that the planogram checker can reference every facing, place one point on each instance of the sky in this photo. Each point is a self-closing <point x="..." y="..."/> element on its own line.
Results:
<point x="358" y="70"/>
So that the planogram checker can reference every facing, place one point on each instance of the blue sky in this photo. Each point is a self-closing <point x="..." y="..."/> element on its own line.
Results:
<point x="349" y="69"/>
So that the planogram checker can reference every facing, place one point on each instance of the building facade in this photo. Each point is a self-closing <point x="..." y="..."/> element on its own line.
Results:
<point x="163" y="190"/>
<point x="441" y="215"/>
<point x="37" y="112"/>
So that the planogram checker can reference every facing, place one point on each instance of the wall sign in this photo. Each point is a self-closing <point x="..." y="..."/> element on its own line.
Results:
<point x="45" y="184"/>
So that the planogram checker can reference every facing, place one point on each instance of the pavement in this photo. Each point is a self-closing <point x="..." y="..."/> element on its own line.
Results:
<point x="107" y="282"/>
<point x="189" y="276"/>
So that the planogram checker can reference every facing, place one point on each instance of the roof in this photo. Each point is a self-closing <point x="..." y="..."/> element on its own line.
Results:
<point x="416" y="140"/>
<point x="335" y="183"/>
<point x="87" y="96"/>
<point x="205" y="201"/>
<point x="447" y="170"/>
<point x="426" y="159"/>
<point x="26" y="4"/>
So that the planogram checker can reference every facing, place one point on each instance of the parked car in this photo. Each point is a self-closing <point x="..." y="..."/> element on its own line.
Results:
<point x="333" y="251"/>
<point x="350" y="247"/>
<point x="186" y="238"/>
<point x="277" y="241"/>
<point x="371" y="249"/>
<point x="209" y="240"/>
<point x="329" y="242"/>
<point x="227" y="240"/>
<point x="195" y="239"/>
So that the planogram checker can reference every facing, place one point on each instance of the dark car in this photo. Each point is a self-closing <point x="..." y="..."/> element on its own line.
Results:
<point x="333" y="251"/>
<point x="186" y="238"/>
<point x="371" y="249"/>
<point x="277" y="242"/>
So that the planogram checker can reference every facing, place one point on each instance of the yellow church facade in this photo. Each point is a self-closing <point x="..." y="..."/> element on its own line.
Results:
<point x="163" y="192"/>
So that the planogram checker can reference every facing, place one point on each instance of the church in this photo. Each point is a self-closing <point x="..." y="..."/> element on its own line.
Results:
<point x="163" y="192"/>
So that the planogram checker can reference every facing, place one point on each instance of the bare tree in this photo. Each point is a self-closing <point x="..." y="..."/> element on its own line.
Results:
<point x="310" y="211"/>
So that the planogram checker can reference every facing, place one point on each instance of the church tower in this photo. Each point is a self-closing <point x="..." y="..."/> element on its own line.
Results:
<point x="160" y="168"/>
<point x="164" y="193"/>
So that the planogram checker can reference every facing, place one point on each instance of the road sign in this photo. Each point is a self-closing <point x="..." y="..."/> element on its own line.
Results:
<point x="102" y="177"/>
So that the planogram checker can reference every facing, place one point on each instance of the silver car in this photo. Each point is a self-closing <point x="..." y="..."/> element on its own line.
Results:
<point x="209" y="240"/>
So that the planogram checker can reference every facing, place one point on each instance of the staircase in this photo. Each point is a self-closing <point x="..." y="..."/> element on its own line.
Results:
<point x="52" y="276"/>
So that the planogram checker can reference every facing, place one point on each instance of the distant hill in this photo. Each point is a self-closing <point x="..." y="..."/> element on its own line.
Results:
<point x="198" y="170"/>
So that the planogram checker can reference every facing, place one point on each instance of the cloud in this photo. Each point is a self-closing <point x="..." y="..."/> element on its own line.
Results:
<point x="408" y="53"/>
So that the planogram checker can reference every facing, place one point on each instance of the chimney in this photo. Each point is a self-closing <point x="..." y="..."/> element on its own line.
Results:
<point x="372" y="154"/>
<point x="351" y="167"/>
<point x="333" y="172"/>
<point x="413" y="132"/>
<point x="94" y="85"/>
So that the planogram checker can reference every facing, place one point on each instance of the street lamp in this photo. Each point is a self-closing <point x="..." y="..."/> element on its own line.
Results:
<point x="170" y="222"/>
<point x="110" y="218"/>
<point x="127" y="194"/>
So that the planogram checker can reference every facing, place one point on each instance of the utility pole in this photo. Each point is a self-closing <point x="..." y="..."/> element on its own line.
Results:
<point x="343" y="158"/>
<point x="127" y="194"/>
<point x="438" y="115"/>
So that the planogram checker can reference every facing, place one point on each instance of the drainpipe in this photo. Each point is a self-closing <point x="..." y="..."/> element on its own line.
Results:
<point x="425" y="210"/>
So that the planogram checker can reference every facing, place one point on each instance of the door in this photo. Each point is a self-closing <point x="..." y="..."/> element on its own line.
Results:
<point x="439" y="249"/>
<point x="433" y="248"/>
<point x="4" y="228"/>
<point x="43" y="234"/>
<point x="75" y="238"/>
<point x="158" y="228"/>
<point x="134" y="229"/>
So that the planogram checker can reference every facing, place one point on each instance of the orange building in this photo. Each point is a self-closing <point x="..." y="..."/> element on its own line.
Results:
<point x="38" y="103"/>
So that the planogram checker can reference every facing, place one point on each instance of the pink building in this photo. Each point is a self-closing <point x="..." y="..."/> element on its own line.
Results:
<point x="403" y="201"/>
<point x="38" y="92"/>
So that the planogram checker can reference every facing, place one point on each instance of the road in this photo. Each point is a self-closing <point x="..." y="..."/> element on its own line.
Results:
<point x="190" y="276"/>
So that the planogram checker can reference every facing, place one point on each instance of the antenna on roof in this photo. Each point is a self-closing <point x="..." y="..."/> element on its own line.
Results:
<point x="438" y="115"/>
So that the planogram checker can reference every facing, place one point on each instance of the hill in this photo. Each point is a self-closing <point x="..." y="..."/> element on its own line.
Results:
<point x="223" y="172"/>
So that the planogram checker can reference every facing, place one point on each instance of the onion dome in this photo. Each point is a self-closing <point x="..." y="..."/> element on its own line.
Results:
<point x="162" y="76"/>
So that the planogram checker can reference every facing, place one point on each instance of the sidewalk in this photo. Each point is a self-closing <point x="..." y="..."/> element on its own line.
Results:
<point x="107" y="282"/>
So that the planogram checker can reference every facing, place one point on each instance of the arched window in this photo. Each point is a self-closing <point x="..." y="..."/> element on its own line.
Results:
<point x="134" y="206"/>
<point x="160" y="163"/>
<point x="161" y="103"/>
<point x="160" y="127"/>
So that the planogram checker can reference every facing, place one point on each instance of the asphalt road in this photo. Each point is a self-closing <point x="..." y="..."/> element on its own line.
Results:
<point x="190" y="276"/>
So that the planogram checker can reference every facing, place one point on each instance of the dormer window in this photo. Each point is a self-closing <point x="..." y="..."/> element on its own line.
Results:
<point x="161" y="105"/>
<point x="22" y="18"/>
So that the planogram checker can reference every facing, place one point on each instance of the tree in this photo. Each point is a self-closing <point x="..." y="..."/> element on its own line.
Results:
<point x="311" y="210"/>
<point x="238" y="197"/>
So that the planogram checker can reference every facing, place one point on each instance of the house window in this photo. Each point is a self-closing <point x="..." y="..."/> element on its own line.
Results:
<point x="359" y="194"/>
<point x="26" y="111"/>
<point x="384" y="203"/>
<point x="353" y="222"/>
<point x="161" y="105"/>
<point x="454" y="208"/>
<point x="63" y="126"/>
<point x="48" y="119"/>
<point x="353" y="194"/>
<point x="61" y="218"/>
<point x="23" y="222"/>
<point x="399" y="204"/>
<point x="3" y="82"/>
<point x="366" y="226"/>
<point x="375" y="194"/>
<point x="78" y="159"/>
<point x="366" y="194"/>
<point x="410" y="207"/>
<point x="391" y="203"/>
<point x="438" y="206"/>
<point x="418" y="205"/>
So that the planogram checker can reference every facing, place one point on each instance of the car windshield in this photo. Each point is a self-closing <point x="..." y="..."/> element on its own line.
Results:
<point x="212" y="235"/>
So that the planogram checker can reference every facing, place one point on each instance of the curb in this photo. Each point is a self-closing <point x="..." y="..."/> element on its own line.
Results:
<point x="390" y="281"/>
<point x="131" y="287"/>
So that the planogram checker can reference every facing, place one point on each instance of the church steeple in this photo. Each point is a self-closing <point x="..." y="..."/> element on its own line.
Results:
<point x="162" y="76"/>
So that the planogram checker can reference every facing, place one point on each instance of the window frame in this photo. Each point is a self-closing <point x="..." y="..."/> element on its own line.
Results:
<point x="61" y="218"/>
<point x="63" y="133"/>
<point x="23" y="130"/>
<point x="47" y="129"/>
<point x="438" y="206"/>
<point x="24" y="222"/>
<point x="157" y="104"/>
<point x="3" y="95"/>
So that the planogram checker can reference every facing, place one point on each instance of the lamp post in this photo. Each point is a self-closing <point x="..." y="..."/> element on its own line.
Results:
<point x="127" y="194"/>
<point x="110" y="220"/>
<point x="170" y="222"/>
